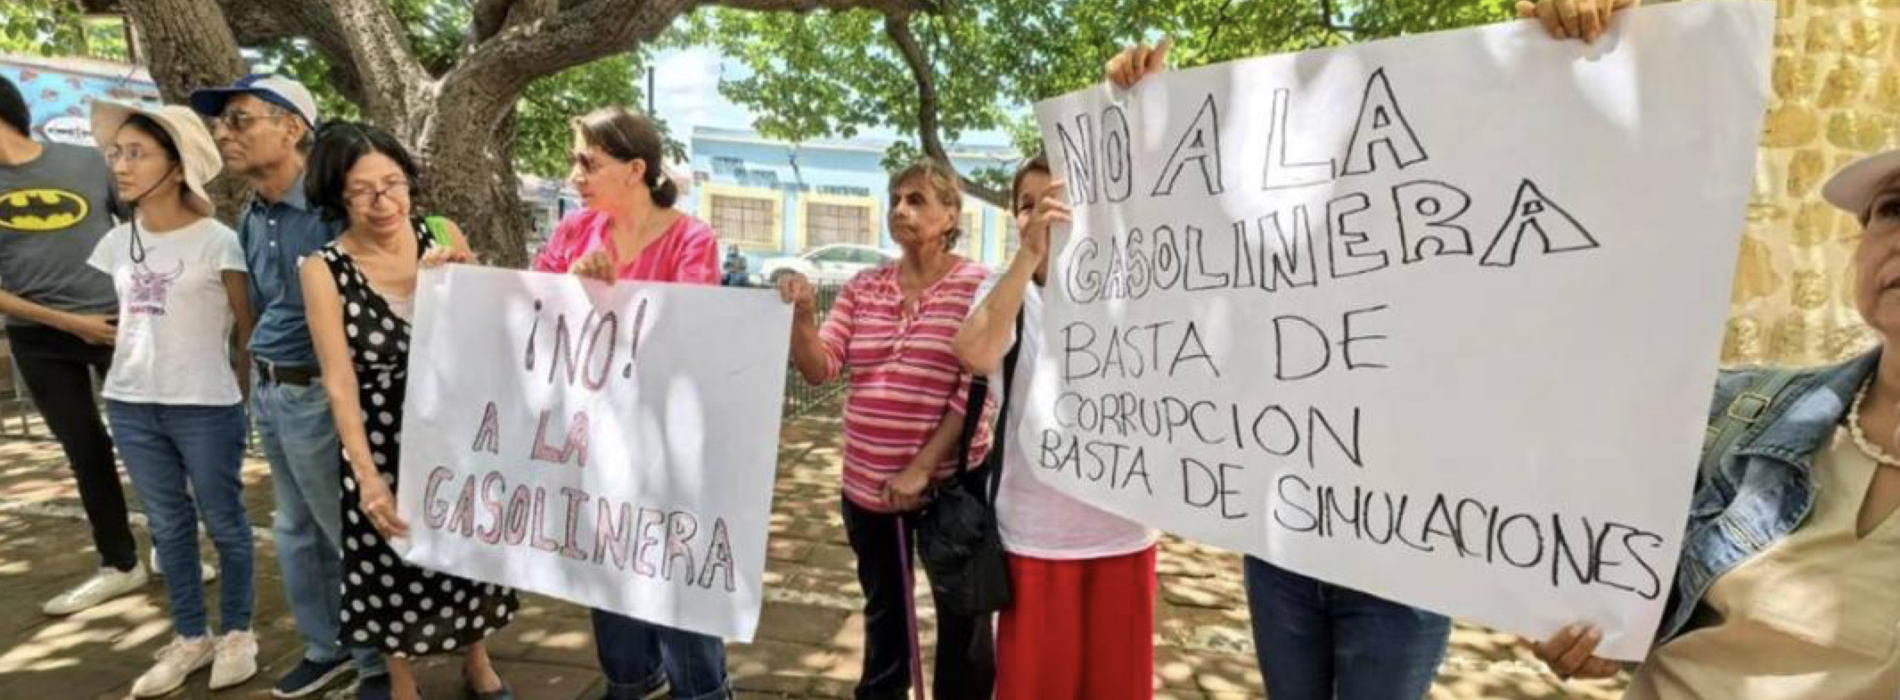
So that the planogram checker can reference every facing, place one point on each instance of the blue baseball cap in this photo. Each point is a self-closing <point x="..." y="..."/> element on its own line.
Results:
<point x="275" y="89"/>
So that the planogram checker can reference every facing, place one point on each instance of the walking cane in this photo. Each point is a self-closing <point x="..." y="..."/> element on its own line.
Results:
<point x="910" y="612"/>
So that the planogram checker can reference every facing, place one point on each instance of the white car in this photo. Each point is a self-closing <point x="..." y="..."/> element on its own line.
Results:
<point x="828" y="265"/>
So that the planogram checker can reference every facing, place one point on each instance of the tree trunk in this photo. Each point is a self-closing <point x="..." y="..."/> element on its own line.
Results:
<point x="460" y="125"/>
<point x="897" y="28"/>
<point x="468" y="177"/>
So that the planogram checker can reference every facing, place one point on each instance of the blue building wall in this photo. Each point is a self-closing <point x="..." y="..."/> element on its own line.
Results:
<point x="742" y="163"/>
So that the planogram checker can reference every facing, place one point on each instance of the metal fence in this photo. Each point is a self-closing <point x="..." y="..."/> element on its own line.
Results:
<point x="800" y="397"/>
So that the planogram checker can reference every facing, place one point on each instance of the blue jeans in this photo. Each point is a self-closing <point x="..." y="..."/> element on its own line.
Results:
<point x="306" y="466"/>
<point x="173" y="454"/>
<point x="638" y="657"/>
<point x="1318" y="641"/>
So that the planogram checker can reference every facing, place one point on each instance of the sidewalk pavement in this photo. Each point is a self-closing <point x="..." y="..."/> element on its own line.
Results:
<point x="809" y="643"/>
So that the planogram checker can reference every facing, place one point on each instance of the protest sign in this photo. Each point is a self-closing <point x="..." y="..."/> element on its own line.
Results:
<point x="612" y="445"/>
<point x="1436" y="318"/>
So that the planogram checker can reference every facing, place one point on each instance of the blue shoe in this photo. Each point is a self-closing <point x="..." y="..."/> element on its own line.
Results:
<point x="374" y="688"/>
<point x="472" y="694"/>
<point x="309" y="677"/>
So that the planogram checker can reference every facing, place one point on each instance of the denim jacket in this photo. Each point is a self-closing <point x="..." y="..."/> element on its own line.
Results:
<point x="1764" y="487"/>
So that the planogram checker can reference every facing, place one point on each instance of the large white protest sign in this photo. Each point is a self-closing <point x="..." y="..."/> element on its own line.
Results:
<point x="1436" y="318"/>
<point x="611" y="445"/>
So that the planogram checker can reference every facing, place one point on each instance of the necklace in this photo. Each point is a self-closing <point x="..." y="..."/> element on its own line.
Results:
<point x="1867" y="447"/>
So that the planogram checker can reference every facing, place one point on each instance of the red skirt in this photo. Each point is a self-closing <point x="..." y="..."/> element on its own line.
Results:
<point x="1081" y="628"/>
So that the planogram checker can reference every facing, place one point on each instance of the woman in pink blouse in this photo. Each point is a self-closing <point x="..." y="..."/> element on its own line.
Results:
<point x="629" y="230"/>
<point x="895" y="327"/>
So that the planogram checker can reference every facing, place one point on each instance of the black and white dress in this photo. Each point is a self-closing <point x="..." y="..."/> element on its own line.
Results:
<point x="388" y="604"/>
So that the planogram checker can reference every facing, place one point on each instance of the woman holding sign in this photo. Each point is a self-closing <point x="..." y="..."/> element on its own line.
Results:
<point x="359" y="294"/>
<point x="630" y="231"/>
<point x="894" y="327"/>
<point x="1786" y="586"/>
<point x="1082" y="624"/>
<point x="1315" y="640"/>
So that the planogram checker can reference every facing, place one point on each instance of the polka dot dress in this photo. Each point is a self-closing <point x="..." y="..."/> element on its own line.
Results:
<point x="389" y="604"/>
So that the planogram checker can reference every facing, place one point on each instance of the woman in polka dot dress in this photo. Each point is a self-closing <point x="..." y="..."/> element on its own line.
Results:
<point x="359" y="293"/>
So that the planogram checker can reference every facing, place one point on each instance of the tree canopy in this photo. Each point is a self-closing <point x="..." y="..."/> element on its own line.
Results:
<point x="488" y="86"/>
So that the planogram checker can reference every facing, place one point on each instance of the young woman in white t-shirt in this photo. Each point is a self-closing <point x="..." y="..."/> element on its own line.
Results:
<point x="1082" y="625"/>
<point x="175" y="393"/>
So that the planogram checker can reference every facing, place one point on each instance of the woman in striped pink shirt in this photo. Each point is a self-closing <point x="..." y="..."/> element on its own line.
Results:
<point x="895" y="328"/>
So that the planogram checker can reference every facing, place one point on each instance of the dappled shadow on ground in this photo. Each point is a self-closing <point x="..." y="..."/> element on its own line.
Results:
<point x="809" y="643"/>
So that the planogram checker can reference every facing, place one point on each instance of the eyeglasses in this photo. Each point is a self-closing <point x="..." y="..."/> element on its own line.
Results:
<point x="239" y="122"/>
<point x="588" y="164"/>
<point x="129" y="156"/>
<point x="366" y="198"/>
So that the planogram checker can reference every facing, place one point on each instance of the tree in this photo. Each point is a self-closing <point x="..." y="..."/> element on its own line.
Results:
<point x="57" y="27"/>
<point x="437" y="30"/>
<point x="978" y="64"/>
<point x="452" y="96"/>
<point x="480" y="87"/>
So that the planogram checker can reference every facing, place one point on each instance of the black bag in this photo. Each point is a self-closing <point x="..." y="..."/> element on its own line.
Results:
<point x="956" y="534"/>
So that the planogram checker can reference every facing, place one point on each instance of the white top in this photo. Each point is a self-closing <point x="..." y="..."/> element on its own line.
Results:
<point x="175" y="319"/>
<point x="1035" y="519"/>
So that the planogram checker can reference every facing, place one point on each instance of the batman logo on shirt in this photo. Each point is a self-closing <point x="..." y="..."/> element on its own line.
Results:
<point x="41" y="210"/>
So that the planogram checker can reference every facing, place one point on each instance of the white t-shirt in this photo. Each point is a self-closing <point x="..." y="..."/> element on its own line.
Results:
<point x="175" y="320"/>
<point x="1034" y="518"/>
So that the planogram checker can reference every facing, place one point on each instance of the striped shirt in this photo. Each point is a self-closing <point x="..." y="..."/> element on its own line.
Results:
<point x="905" y="376"/>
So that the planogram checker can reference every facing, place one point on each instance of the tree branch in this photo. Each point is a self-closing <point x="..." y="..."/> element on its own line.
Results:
<point x="392" y="77"/>
<point x="1329" y="22"/>
<point x="486" y="19"/>
<point x="502" y="65"/>
<point x="897" y="27"/>
<point x="256" y="23"/>
<point x="189" y="44"/>
<point x="887" y="7"/>
<point x="491" y="17"/>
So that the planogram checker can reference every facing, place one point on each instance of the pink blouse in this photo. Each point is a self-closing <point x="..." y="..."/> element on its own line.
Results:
<point x="688" y="252"/>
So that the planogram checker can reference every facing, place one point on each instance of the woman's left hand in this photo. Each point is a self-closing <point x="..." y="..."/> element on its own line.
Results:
<point x="437" y="257"/>
<point x="379" y="503"/>
<point x="905" y="492"/>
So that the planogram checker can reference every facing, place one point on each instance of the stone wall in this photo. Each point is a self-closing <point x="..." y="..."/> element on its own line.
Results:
<point x="1836" y="97"/>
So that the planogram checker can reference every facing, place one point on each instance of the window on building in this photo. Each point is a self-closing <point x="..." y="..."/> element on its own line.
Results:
<point x="971" y="245"/>
<point x="844" y="190"/>
<point x="749" y="222"/>
<point x="827" y="223"/>
<point x="1011" y="239"/>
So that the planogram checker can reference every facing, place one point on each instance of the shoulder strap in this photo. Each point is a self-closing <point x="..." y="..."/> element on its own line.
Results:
<point x="999" y="439"/>
<point x="1742" y="416"/>
<point x="972" y="414"/>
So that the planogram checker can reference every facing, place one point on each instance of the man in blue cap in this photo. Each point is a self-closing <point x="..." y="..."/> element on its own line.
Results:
<point x="264" y="125"/>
